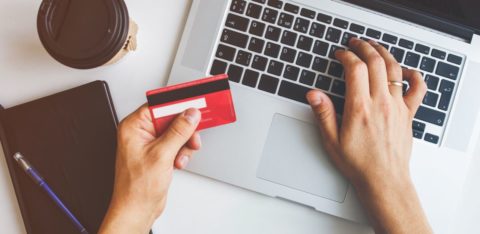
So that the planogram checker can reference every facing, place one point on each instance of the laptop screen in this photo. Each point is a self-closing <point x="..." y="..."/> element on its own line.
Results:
<point x="466" y="12"/>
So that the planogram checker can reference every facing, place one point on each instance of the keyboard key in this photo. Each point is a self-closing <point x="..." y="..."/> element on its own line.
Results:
<point x="270" y="15"/>
<point x="308" y="13"/>
<point x="234" y="38"/>
<point x="272" y="50"/>
<point x="419" y="126"/>
<point x="340" y="23"/>
<point x="439" y="54"/>
<point x="333" y="35"/>
<point x="323" y="82"/>
<point x="235" y="73"/>
<point x="412" y="60"/>
<point x="338" y="87"/>
<point x="338" y="103"/>
<point x="324" y="18"/>
<point x="254" y="10"/>
<point x="432" y="82"/>
<point x="307" y="77"/>
<point x="268" y="84"/>
<point x="398" y="54"/>
<point x="305" y="43"/>
<point x="446" y="89"/>
<point x="243" y="58"/>
<point x="447" y="70"/>
<point x="320" y="48"/>
<point x="346" y="38"/>
<point x="385" y="45"/>
<point x="432" y="138"/>
<point x="273" y="33"/>
<point x="430" y="116"/>
<point x="301" y="25"/>
<point x="335" y="69"/>
<point x="390" y="38"/>
<point x="291" y="8"/>
<point x="422" y="49"/>
<point x="406" y="44"/>
<point x="238" y="6"/>
<point x="218" y="67"/>
<point x="304" y="59"/>
<point x="285" y="20"/>
<point x="256" y="45"/>
<point x="275" y="68"/>
<point x="259" y="63"/>
<point x="289" y="38"/>
<point x="430" y="99"/>
<point x="427" y="64"/>
<point x="288" y="55"/>
<point x="257" y="28"/>
<point x="333" y="49"/>
<point x="260" y="1"/>
<point x="275" y="3"/>
<point x="317" y="30"/>
<point x="237" y="22"/>
<point x="225" y="52"/>
<point x="291" y="72"/>
<point x="320" y="64"/>
<point x="374" y="33"/>
<point x="357" y="28"/>
<point x="455" y="59"/>
<point x="250" y="78"/>
<point x="293" y="91"/>
<point x="417" y="134"/>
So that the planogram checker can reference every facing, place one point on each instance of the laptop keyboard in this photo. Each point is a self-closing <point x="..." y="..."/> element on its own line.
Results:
<point x="285" y="49"/>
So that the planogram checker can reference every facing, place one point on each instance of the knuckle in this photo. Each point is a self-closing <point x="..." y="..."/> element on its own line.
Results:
<point x="376" y="60"/>
<point x="359" y="67"/>
<point x="394" y="68"/>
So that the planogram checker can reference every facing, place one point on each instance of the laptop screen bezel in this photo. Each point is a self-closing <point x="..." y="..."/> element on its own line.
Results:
<point x="419" y="17"/>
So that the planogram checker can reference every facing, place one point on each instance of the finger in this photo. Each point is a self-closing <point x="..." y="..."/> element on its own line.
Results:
<point x="394" y="71"/>
<point x="325" y="114"/>
<point x="377" y="72"/>
<point x="356" y="74"/>
<point x="195" y="142"/>
<point x="179" y="132"/>
<point x="139" y="119"/>
<point x="183" y="157"/>
<point x="415" y="94"/>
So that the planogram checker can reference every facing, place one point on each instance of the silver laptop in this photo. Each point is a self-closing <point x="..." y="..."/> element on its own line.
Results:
<point x="276" y="51"/>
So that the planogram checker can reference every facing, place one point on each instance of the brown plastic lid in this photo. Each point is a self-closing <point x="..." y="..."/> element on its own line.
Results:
<point x="83" y="33"/>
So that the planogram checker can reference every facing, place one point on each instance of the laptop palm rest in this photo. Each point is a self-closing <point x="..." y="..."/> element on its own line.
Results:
<point x="293" y="157"/>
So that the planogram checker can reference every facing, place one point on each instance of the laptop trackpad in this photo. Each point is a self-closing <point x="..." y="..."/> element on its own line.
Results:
<point x="293" y="157"/>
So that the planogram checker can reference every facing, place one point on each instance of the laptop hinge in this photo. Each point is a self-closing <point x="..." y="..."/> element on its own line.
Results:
<point x="418" y="17"/>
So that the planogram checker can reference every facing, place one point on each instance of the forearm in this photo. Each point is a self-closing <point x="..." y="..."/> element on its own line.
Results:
<point x="394" y="207"/>
<point x="124" y="220"/>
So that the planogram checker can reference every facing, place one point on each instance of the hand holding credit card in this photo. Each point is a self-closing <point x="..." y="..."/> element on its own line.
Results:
<point x="210" y="95"/>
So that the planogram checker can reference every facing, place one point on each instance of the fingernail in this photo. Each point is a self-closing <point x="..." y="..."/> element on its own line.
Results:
<point x="372" y="42"/>
<point x="184" y="161"/>
<point x="192" y="115"/>
<point x="315" y="99"/>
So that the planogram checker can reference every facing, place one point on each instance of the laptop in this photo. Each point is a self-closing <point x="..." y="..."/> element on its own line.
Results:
<point x="276" y="51"/>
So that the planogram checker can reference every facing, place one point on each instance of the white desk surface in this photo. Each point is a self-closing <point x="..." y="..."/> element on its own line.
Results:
<point x="196" y="204"/>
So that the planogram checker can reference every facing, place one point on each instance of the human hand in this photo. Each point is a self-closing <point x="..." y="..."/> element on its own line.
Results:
<point x="144" y="168"/>
<point x="372" y="146"/>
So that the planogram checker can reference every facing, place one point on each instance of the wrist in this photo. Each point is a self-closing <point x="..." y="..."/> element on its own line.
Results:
<point x="123" y="217"/>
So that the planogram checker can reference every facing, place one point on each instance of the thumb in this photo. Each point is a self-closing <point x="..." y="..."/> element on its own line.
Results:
<point x="179" y="132"/>
<point x="324" y="112"/>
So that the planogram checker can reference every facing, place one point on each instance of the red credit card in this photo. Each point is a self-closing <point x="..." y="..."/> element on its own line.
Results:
<point x="210" y="95"/>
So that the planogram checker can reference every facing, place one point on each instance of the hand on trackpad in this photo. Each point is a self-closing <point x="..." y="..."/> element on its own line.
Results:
<point x="293" y="157"/>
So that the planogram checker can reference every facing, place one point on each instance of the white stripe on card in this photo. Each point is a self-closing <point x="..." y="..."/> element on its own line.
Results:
<point x="179" y="107"/>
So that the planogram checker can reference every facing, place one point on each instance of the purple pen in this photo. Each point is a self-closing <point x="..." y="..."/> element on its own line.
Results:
<point x="25" y="165"/>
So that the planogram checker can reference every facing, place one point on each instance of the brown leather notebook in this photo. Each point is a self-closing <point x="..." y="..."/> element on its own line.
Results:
<point x="70" y="138"/>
